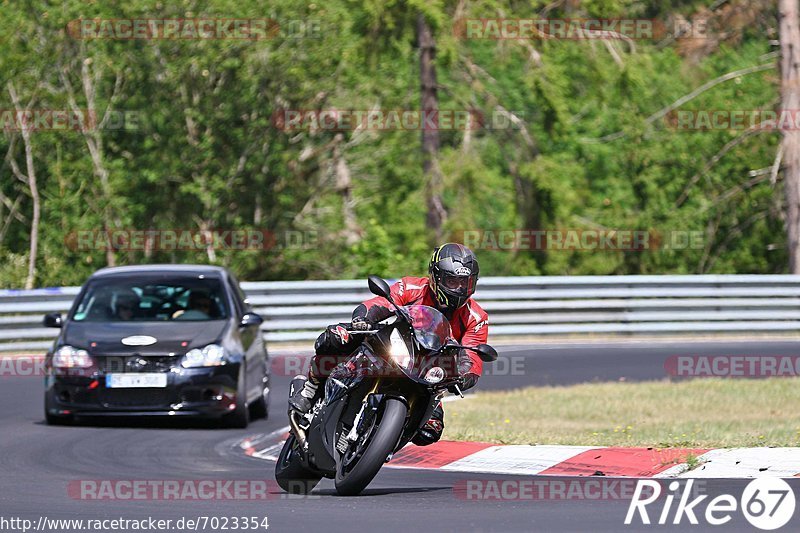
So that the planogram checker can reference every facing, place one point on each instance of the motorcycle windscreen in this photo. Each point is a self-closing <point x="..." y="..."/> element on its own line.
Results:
<point x="431" y="328"/>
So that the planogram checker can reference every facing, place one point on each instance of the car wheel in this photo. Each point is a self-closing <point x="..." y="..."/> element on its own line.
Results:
<point x="240" y="417"/>
<point x="261" y="406"/>
<point x="55" y="420"/>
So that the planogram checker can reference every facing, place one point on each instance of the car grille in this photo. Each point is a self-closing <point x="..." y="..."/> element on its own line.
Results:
<point x="136" y="363"/>
<point x="135" y="397"/>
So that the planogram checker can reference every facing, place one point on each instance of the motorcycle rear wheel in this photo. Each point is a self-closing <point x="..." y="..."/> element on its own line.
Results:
<point x="382" y="442"/>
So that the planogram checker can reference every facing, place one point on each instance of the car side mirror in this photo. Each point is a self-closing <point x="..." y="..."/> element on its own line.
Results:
<point x="53" y="320"/>
<point x="486" y="353"/>
<point x="250" y="319"/>
<point x="379" y="287"/>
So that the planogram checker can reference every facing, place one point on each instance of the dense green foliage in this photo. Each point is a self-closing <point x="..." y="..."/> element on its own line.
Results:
<point x="204" y="152"/>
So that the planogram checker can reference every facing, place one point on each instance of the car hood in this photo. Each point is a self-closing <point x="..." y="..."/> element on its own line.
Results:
<point x="171" y="337"/>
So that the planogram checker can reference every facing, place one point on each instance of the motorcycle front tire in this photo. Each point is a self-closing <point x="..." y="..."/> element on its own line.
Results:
<point x="380" y="446"/>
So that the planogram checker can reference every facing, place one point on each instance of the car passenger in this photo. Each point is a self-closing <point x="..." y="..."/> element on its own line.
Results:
<point x="200" y="307"/>
<point x="126" y="305"/>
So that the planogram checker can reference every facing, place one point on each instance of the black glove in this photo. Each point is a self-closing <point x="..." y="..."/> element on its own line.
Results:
<point x="360" y="323"/>
<point x="465" y="382"/>
<point x="373" y="315"/>
<point x="464" y="362"/>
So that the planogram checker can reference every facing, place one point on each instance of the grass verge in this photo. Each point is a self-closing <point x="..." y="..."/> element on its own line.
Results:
<point x="704" y="413"/>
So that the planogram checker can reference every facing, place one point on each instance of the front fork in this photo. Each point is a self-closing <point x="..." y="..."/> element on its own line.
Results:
<point x="369" y="405"/>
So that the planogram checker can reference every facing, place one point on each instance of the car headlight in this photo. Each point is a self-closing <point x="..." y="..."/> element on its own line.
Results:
<point x="211" y="355"/>
<point x="69" y="357"/>
<point x="399" y="350"/>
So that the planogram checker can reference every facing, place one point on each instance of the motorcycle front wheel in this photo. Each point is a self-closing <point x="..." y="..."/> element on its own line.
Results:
<point x="356" y="468"/>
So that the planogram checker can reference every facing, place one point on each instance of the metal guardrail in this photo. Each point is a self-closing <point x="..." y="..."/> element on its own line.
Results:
<point x="518" y="306"/>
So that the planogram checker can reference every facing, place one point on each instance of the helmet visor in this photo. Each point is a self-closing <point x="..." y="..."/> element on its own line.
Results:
<point x="459" y="284"/>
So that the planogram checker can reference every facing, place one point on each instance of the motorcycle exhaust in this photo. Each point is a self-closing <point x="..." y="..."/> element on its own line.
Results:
<point x="299" y="432"/>
<point x="297" y="384"/>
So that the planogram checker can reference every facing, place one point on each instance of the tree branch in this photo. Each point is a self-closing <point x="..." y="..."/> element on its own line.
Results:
<point x="686" y="98"/>
<point x="776" y="166"/>
<point x="752" y="130"/>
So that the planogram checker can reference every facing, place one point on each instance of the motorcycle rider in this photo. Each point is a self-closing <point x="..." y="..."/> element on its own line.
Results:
<point x="452" y="277"/>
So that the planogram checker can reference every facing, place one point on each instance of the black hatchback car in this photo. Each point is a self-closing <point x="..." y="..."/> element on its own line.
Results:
<point x="172" y="340"/>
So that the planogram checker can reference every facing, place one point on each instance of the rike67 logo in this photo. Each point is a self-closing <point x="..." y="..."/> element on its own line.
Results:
<point x="767" y="503"/>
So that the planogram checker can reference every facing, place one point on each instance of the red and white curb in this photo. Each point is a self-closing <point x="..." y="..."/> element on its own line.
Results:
<point x="545" y="460"/>
<point x="744" y="463"/>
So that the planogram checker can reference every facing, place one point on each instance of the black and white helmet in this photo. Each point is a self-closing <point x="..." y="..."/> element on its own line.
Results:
<point x="453" y="275"/>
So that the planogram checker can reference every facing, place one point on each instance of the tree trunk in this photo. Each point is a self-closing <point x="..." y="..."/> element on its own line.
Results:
<point x="430" y="135"/>
<point x="790" y="102"/>
<point x="34" y="188"/>
<point x="344" y="186"/>
<point x="91" y="129"/>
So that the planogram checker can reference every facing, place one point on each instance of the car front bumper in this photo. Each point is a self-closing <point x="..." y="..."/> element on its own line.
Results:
<point x="208" y="392"/>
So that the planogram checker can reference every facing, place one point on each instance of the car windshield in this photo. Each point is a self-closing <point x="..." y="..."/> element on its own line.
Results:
<point x="431" y="328"/>
<point x="152" y="298"/>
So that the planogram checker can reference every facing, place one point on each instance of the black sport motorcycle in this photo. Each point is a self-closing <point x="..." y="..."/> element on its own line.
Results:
<point x="373" y="403"/>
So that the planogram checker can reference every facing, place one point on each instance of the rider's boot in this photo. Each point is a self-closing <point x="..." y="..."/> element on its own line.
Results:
<point x="302" y="391"/>
<point x="432" y="430"/>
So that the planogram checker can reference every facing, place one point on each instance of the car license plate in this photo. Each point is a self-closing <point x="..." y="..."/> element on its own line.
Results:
<point x="136" y="381"/>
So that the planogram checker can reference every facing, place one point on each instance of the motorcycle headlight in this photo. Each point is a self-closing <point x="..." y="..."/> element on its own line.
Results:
<point x="399" y="350"/>
<point x="211" y="355"/>
<point x="70" y="357"/>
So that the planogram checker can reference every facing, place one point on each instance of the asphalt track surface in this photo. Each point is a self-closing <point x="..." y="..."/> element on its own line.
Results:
<point x="38" y="462"/>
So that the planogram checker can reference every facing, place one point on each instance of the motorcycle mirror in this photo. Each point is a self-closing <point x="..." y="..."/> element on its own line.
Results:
<point x="486" y="353"/>
<point x="379" y="287"/>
